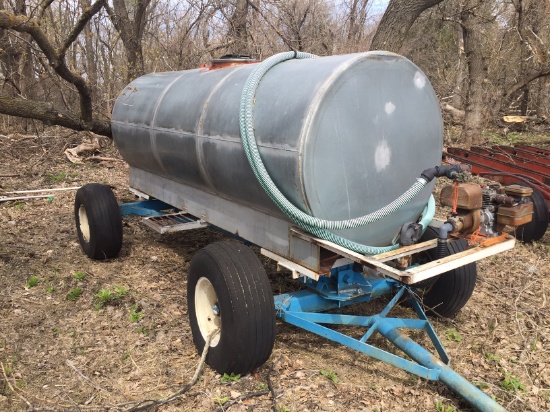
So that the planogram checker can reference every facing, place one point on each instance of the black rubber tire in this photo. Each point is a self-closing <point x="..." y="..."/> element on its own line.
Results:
<point x="245" y="304"/>
<point x="536" y="228"/>
<point x="98" y="221"/>
<point x="452" y="289"/>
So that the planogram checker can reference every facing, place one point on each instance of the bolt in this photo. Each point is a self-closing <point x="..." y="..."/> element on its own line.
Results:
<point x="216" y="310"/>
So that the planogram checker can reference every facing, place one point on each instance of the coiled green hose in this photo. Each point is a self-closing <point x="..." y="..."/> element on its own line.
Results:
<point x="316" y="226"/>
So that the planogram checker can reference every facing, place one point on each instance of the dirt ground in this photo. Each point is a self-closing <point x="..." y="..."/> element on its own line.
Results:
<point x="60" y="351"/>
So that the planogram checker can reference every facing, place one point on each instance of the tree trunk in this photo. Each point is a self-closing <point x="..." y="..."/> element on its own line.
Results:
<point x="460" y="79"/>
<point x="477" y="76"/>
<point x="46" y="113"/>
<point x="131" y="32"/>
<point x="397" y="21"/>
<point x="55" y="56"/>
<point x="91" y="68"/>
<point x="239" y="30"/>
<point x="357" y="18"/>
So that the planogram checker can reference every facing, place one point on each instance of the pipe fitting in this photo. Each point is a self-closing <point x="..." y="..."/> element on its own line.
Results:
<point x="443" y="239"/>
<point x="444" y="171"/>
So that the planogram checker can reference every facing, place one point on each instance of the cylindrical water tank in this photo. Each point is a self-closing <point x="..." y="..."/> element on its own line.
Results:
<point x="341" y="136"/>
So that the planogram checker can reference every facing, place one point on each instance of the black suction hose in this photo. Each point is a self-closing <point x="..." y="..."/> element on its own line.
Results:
<point x="443" y="239"/>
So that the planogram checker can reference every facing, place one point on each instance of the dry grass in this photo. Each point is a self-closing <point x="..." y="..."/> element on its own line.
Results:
<point x="61" y="354"/>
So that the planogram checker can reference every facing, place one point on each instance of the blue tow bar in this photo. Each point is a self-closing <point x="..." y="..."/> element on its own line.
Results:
<point x="302" y="309"/>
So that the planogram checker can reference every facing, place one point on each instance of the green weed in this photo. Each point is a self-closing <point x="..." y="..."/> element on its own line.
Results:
<point x="32" y="282"/>
<point x="514" y="138"/>
<point x="282" y="408"/>
<point x="121" y="291"/>
<point x="50" y="290"/>
<point x="6" y="389"/>
<point x="512" y="384"/>
<point x="135" y="314"/>
<point x="80" y="275"/>
<point x="230" y="378"/>
<point x="481" y="385"/>
<point x="20" y="206"/>
<point x="74" y="294"/>
<point x="330" y="375"/>
<point x="105" y="296"/>
<point x="263" y="387"/>
<point x="492" y="357"/>
<point x="453" y="335"/>
<point x="56" y="177"/>
<point x="440" y="407"/>
<point x="144" y="330"/>
<point x="221" y="400"/>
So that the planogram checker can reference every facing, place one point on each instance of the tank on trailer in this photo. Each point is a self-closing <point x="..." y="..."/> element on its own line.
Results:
<point x="341" y="136"/>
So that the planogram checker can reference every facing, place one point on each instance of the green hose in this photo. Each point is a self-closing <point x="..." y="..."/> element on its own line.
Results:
<point x="316" y="226"/>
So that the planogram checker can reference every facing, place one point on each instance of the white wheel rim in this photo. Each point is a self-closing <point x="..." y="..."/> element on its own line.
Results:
<point x="207" y="310"/>
<point x="83" y="223"/>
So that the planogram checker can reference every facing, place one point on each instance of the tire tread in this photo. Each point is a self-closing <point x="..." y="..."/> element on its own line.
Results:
<point x="104" y="218"/>
<point x="250" y="342"/>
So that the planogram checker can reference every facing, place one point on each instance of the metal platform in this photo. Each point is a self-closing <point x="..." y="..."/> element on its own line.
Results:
<point x="407" y="276"/>
<point x="174" y="222"/>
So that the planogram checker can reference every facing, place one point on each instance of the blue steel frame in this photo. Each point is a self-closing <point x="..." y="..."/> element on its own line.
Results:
<point x="303" y="309"/>
<point x="145" y="208"/>
<point x="347" y="286"/>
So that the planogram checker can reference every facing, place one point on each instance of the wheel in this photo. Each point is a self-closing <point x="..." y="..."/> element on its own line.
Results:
<point x="98" y="221"/>
<point x="536" y="228"/>
<point x="451" y="290"/>
<point x="228" y="288"/>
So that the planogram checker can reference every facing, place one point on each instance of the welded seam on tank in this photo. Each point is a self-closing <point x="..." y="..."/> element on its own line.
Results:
<point x="312" y="114"/>
<point x="153" y="129"/>
<point x="198" y="148"/>
<point x="230" y="139"/>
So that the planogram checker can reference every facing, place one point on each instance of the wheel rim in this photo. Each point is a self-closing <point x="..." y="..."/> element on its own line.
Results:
<point x="83" y="223"/>
<point x="207" y="310"/>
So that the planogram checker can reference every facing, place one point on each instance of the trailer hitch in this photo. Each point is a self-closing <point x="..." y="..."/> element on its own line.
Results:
<point x="303" y="309"/>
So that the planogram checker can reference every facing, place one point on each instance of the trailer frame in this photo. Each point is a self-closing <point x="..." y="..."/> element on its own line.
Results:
<point x="331" y="283"/>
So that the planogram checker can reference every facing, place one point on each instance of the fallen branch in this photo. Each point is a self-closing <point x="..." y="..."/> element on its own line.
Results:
<point x="457" y="115"/>
<point x="11" y="387"/>
<point x="74" y="154"/>
<point x="102" y="159"/>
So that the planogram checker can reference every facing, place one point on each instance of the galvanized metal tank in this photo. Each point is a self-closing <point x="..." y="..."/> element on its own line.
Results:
<point x="341" y="136"/>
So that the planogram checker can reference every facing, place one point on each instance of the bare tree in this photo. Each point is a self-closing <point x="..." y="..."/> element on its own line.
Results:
<point x="56" y="58"/>
<point x="131" y="32"/>
<point x="357" y="17"/>
<point x="397" y="21"/>
<point x="60" y="61"/>
<point x="534" y="53"/>
<point x="476" y="96"/>
<point x="238" y="24"/>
